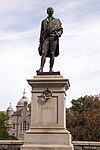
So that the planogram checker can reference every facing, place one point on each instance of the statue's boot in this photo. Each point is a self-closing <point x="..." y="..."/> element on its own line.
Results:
<point x="40" y="70"/>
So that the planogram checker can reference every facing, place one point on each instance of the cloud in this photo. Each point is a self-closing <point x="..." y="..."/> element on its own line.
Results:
<point x="79" y="58"/>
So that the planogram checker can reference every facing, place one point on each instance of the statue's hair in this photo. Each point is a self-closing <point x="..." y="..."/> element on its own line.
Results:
<point x="50" y="8"/>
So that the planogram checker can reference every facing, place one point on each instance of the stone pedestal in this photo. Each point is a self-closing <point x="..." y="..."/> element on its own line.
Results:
<point x="48" y="114"/>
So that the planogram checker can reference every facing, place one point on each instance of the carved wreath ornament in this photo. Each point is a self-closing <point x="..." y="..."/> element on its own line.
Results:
<point x="47" y="94"/>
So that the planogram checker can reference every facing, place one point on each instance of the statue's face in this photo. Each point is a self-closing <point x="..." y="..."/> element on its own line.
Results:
<point x="50" y="11"/>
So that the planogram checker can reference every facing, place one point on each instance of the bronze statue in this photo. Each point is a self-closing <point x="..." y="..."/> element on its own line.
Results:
<point x="51" y="30"/>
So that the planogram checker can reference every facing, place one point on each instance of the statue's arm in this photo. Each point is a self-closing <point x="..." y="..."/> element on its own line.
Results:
<point x="60" y="31"/>
<point x="40" y="40"/>
<point x="41" y="31"/>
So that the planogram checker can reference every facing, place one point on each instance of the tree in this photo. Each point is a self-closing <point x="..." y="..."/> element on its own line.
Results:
<point x="4" y="135"/>
<point x="3" y="128"/>
<point x="83" y="118"/>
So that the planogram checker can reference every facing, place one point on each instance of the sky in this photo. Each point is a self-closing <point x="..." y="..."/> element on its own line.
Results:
<point x="79" y="59"/>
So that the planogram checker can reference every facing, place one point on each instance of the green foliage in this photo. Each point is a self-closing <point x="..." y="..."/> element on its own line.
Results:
<point x="3" y="128"/>
<point x="83" y="118"/>
<point x="4" y="135"/>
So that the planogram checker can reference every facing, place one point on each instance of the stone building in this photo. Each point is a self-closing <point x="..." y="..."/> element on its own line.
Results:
<point x="19" y="120"/>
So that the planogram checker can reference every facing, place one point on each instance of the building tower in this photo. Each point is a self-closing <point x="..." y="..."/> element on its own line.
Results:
<point x="10" y="112"/>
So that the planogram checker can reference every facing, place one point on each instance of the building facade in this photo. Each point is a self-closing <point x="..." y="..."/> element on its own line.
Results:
<point x="19" y="120"/>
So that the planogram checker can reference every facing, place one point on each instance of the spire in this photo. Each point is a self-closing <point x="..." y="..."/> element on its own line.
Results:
<point x="10" y="107"/>
<point x="10" y="104"/>
<point x="24" y="93"/>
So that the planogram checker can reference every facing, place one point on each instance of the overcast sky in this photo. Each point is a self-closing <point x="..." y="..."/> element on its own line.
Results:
<point x="79" y="58"/>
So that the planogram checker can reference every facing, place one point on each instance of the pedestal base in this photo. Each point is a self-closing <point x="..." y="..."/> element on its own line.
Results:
<point x="51" y="140"/>
<point x="48" y="114"/>
<point x="46" y="147"/>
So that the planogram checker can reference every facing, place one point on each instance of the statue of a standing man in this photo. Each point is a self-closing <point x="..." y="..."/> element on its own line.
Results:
<point x="51" y="30"/>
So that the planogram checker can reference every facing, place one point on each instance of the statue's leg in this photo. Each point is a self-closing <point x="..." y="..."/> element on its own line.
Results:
<point x="53" y="45"/>
<point x="44" y="54"/>
<point x="52" y="58"/>
<point x="43" y="59"/>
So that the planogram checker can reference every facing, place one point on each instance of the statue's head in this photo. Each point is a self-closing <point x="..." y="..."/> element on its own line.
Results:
<point x="50" y="11"/>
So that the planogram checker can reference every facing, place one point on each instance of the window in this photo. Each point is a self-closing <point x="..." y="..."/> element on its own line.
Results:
<point x="28" y="126"/>
<point x="13" y="134"/>
<point x="13" y="125"/>
<point x="21" y="126"/>
<point x="24" y="126"/>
